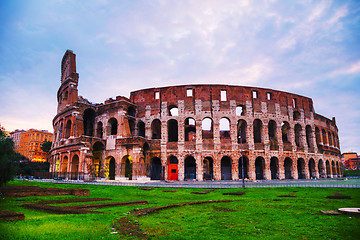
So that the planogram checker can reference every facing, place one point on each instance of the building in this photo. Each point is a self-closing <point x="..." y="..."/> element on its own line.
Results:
<point x="351" y="161"/>
<point x="191" y="132"/>
<point x="16" y="136"/>
<point x="28" y="143"/>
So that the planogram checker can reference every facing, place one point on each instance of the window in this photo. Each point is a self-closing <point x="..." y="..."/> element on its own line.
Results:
<point x="157" y="95"/>
<point x="268" y="95"/>
<point x="223" y="95"/>
<point x="254" y="94"/>
<point x="189" y="92"/>
<point x="294" y="103"/>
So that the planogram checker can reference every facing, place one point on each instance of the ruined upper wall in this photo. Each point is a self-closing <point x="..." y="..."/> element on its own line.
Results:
<point x="209" y="93"/>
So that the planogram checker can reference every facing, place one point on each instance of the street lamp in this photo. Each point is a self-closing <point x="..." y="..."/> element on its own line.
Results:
<point x="242" y="159"/>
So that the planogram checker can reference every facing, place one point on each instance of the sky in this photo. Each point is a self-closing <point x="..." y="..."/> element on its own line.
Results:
<point x="310" y="48"/>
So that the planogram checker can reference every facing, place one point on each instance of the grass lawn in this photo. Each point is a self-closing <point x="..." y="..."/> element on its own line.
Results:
<point x="254" y="215"/>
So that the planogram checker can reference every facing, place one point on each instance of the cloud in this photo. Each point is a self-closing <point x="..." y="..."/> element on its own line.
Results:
<point x="354" y="68"/>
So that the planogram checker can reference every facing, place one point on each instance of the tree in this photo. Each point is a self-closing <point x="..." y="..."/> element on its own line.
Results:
<point x="8" y="158"/>
<point x="46" y="146"/>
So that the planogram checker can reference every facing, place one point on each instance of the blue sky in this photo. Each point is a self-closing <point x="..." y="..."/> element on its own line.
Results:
<point x="311" y="48"/>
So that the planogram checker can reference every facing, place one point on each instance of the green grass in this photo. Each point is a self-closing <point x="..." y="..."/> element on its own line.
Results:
<point x="254" y="215"/>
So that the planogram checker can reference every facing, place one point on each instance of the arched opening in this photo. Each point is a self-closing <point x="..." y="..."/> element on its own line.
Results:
<point x="272" y="135"/>
<point x="324" y="135"/>
<point x="173" y="110"/>
<point x="274" y="168"/>
<point x="240" y="110"/>
<point x="127" y="170"/>
<point x="226" y="168"/>
<point x="285" y="130"/>
<point x="131" y="127"/>
<point x="98" y="159"/>
<point x="156" y="129"/>
<point x="288" y="168"/>
<point x="337" y="169"/>
<point x="298" y="130"/>
<point x="207" y="128"/>
<point x="321" y="168"/>
<point x="328" y="170"/>
<point x="99" y="129"/>
<point x="190" y="168"/>
<point x="246" y="167"/>
<point x="173" y="168"/>
<point x="330" y="139"/>
<point x="308" y="136"/>
<point x="156" y="169"/>
<point x="64" y="164"/>
<point x="296" y="116"/>
<point x="258" y="131"/>
<point x="224" y="128"/>
<point x="241" y="133"/>
<point x="89" y="122"/>
<point x="259" y="168"/>
<point x="75" y="164"/>
<point x="333" y="169"/>
<point x="131" y="111"/>
<point x="208" y="168"/>
<point x="312" y="168"/>
<point x="68" y="129"/>
<point x="172" y="130"/>
<point x="112" y="168"/>
<point x="190" y="130"/>
<point x="112" y="126"/>
<point x="301" y="168"/>
<point x="141" y="129"/>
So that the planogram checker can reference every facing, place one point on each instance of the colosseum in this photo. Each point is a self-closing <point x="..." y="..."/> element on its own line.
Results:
<point x="191" y="132"/>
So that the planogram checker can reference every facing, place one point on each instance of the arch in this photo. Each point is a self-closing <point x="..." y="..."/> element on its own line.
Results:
<point x="337" y="169"/>
<point x="141" y="129"/>
<point x="208" y="168"/>
<point x="89" y="121"/>
<point x="207" y="128"/>
<point x="127" y="163"/>
<point x="324" y="135"/>
<point x="190" y="168"/>
<point x="330" y="139"/>
<point x="317" y="136"/>
<point x="156" y="169"/>
<point x="246" y="167"/>
<point x="112" y="126"/>
<point x="258" y="126"/>
<point x="131" y="111"/>
<point x="156" y="129"/>
<point x="131" y="123"/>
<point x="111" y="168"/>
<point x="64" y="164"/>
<point x="272" y="129"/>
<point x="75" y="164"/>
<point x="173" y="110"/>
<point x="288" y="168"/>
<point x="173" y="168"/>
<point x="308" y="131"/>
<point x="285" y="131"/>
<point x="298" y="130"/>
<point x="301" y="168"/>
<point x="321" y="169"/>
<point x="68" y="129"/>
<point x="274" y="168"/>
<point x="224" y="126"/>
<point x="259" y="168"/>
<point x="312" y="170"/>
<point x="333" y="168"/>
<point x="226" y="168"/>
<point x="98" y="158"/>
<point x="172" y="125"/>
<point x="328" y="170"/>
<point x="241" y="126"/>
<point x="296" y="115"/>
<point x="99" y="129"/>
<point x="240" y="110"/>
<point x="190" y="130"/>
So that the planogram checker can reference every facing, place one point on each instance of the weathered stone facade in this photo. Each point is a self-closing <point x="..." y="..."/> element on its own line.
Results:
<point x="192" y="132"/>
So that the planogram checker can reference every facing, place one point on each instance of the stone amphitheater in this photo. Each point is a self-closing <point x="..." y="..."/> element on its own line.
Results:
<point x="191" y="132"/>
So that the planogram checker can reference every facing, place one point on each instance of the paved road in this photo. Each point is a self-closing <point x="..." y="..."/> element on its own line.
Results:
<point x="330" y="183"/>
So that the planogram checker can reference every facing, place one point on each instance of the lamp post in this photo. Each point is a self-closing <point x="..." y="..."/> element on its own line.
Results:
<point x="242" y="159"/>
